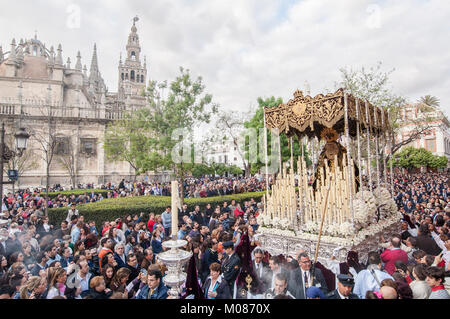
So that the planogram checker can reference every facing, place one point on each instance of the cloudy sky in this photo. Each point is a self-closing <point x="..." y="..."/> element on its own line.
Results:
<point x="249" y="48"/>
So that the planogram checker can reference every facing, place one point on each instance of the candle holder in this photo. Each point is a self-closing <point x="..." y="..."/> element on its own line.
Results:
<point x="174" y="258"/>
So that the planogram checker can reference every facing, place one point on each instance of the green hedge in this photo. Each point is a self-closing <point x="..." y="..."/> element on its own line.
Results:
<point x="78" y="192"/>
<point x="110" y="209"/>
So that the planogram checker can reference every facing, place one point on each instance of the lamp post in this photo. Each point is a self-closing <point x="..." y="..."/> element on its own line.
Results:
<point x="6" y="154"/>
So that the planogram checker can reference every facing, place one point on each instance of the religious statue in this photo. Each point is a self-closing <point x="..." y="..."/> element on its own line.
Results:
<point x="331" y="150"/>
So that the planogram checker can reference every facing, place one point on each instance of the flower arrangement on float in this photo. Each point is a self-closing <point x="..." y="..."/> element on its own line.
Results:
<point x="366" y="205"/>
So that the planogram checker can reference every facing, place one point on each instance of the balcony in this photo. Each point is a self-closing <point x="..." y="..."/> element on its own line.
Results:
<point x="57" y="111"/>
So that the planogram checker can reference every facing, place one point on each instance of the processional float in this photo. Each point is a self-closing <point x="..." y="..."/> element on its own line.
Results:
<point x="340" y="209"/>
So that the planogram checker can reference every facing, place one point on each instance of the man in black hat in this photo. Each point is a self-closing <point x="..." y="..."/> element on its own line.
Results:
<point x="344" y="289"/>
<point x="231" y="264"/>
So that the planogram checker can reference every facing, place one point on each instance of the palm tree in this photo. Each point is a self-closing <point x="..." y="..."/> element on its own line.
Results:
<point x="430" y="100"/>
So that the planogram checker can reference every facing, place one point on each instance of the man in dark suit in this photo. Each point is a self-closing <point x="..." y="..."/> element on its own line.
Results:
<point x="304" y="277"/>
<point x="41" y="261"/>
<point x="275" y="265"/>
<point x="231" y="265"/>
<point x="425" y="242"/>
<point x="344" y="289"/>
<point x="262" y="269"/>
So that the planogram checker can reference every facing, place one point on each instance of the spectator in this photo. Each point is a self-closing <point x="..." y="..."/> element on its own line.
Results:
<point x="393" y="254"/>
<point x="436" y="279"/>
<point x="155" y="288"/>
<point x="419" y="287"/>
<point x="370" y="278"/>
<point x="98" y="289"/>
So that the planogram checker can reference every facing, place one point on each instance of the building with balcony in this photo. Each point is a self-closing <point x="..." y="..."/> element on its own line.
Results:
<point x="437" y="138"/>
<point x="50" y="97"/>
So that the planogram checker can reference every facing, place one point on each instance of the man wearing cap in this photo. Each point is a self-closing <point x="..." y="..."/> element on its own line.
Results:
<point x="314" y="292"/>
<point x="344" y="288"/>
<point x="231" y="264"/>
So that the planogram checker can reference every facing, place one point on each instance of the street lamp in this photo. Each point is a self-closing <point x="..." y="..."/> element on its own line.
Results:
<point x="21" y="140"/>
<point x="6" y="154"/>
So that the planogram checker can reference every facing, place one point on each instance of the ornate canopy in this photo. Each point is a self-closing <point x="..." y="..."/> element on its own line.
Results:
<point x="306" y="115"/>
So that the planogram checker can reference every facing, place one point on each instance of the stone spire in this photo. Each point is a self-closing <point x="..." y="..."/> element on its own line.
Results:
<point x="78" y="66"/>
<point x="27" y="50"/>
<point x="12" y="53"/>
<point x="44" y="50"/>
<point x="19" y="56"/>
<point x="59" y="58"/>
<point x="85" y="70"/>
<point x="120" y="59"/>
<point x="94" y="74"/>
<point x="94" y="61"/>
<point x="133" y="46"/>
<point x="51" y="59"/>
<point x="68" y="63"/>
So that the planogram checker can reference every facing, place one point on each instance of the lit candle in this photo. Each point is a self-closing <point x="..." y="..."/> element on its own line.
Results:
<point x="174" y="210"/>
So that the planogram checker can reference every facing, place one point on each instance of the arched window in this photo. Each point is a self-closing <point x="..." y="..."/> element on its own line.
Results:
<point x="35" y="51"/>
<point x="123" y="76"/>
<point x="133" y="55"/>
<point x="142" y="78"/>
<point x="132" y="76"/>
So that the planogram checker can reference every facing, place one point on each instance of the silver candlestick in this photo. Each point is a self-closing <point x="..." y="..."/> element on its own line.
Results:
<point x="174" y="258"/>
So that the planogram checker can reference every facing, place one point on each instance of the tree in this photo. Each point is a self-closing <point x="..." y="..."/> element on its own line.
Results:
<point x="410" y="157"/>
<point x="46" y="142"/>
<point x="200" y="170"/>
<point x="230" y="126"/>
<point x="438" y="162"/>
<point x="175" y="113"/>
<point x="373" y="85"/>
<point x="67" y="160"/>
<point x="430" y="100"/>
<point x="22" y="164"/>
<point x="257" y="122"/>
<point x="127" y="140"/>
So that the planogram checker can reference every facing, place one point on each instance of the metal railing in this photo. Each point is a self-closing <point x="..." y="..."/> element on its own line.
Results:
<point x="58" y="111"/>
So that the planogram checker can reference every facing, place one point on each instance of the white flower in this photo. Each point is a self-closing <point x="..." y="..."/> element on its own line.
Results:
<point x="347" y="229"/>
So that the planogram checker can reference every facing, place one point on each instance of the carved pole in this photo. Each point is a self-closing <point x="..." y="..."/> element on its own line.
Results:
<point x="358" y="136"/>
<point x="279" y="151"/>
<point x="292" y="151"/>
<point x="375" y="111"/>
<point x="266" y="158"/>
<point x="392" y="156"/>
<point x="174" y="203"/>
<point x="369" y="164"/>
<point x="384" y="147"/>
<point x="349" y="162"/>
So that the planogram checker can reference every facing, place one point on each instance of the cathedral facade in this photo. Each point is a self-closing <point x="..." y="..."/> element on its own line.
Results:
<point x="66" y="110"/>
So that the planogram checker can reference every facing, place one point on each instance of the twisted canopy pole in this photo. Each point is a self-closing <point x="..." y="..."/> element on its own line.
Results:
<point x="358" y="134"/>
<point x="349" y="160"/>
<point x="369" y="164"/>
<point x="375" y="111"/>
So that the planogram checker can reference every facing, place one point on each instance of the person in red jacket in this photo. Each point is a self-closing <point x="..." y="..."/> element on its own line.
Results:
<point x="151" y="222"/>
<point x="392" y="254"/>
<point x="238" y="211"/>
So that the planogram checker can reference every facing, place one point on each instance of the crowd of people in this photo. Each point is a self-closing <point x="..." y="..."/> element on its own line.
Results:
<point x="78" y="259"/>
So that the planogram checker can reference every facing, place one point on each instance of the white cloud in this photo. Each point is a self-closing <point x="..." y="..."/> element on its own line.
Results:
<point x="246" y="49"/>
